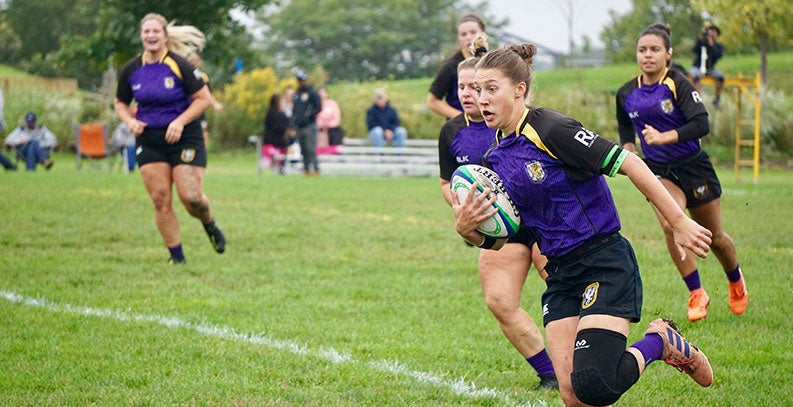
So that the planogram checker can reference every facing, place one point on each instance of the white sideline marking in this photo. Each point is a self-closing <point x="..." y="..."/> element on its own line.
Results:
<point x="458" y="386"/>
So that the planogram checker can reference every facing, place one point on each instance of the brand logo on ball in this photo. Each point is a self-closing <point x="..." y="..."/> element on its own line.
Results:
<point x="496" y="180"/>
<point x="506" y="220"/>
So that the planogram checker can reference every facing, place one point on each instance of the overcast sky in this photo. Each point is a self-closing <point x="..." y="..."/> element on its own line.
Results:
<point x="545" y="21"/>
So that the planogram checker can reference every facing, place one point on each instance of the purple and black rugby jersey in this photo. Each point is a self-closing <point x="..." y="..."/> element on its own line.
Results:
<point x="666" y="105"/>
<point x="462" y="142"/>
<point x="553" y="172"/>
<point x="162" y="90"/>
<point x="444" y="86"/>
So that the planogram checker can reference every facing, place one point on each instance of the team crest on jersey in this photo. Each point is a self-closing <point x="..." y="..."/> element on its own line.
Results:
<point x="590" y="295"/>
<point x="535" y="171"/>
<point x="168" y="82"/>
<point x="667" y="106"/>
<point x="701" y="192"/>
<point x="188" y="155"/>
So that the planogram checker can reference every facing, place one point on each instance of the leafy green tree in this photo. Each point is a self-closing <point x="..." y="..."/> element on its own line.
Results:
<point x="360" y="39"/>
<point x="762" y="24"/>
<point x="619" y="37"/>
<point x="85" y="37"/>
<point x="10" y="42"/>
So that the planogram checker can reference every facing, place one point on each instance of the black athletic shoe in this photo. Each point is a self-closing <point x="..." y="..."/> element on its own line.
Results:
<point x="216" y="237"/>
<point x="548" y="382"/>
<point x="177" y="260"/>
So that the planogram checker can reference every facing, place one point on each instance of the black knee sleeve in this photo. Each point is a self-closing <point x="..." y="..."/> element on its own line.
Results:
<point x="602" y="369"/>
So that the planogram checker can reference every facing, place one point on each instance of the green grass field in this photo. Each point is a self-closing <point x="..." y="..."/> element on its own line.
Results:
<point x="334" y="292"/>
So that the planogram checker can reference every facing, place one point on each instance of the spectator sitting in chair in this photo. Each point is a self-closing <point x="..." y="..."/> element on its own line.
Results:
<point x="383" y="122"/>
<point x="33" y="143"/>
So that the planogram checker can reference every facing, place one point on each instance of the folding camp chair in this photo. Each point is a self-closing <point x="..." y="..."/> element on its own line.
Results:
<point x="90" y="140"/>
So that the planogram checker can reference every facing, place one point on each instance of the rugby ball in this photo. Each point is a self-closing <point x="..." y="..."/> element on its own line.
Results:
<point x="506" y="221"/>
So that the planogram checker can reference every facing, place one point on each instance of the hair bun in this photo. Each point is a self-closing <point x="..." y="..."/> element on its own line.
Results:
<point x="525" y="51"/>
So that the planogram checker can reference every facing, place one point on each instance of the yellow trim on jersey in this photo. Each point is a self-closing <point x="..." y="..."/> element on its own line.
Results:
<point x="500" y="134"/>
<point x="144" y="62"/>
<point x="165" y="59"/>
<point x="174" y="66"/>
<point x="671" y="85"/>
<point x="665" y="80"/>
<point x="530" y="133"/>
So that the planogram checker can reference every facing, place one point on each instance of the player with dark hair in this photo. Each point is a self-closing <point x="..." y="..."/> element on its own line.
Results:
<point x="669" y="63"/>
<point x="502" y="274"/>
<point x="442" y="98"/>
<point x="170" y="96"/>
<point x="553" y="170"/>
<point x="662" y="107"/>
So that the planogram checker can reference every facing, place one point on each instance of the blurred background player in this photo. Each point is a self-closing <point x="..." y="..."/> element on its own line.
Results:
<point x="197" y="60"/>
<point x="442" y="98"/>
<point x="170" y="97"/>
<point x="665" y="111"/>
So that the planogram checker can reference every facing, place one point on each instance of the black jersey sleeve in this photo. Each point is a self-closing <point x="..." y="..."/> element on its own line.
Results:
<point x="569" y="141"/>
<point x="444" y="78"/>
<point x="624" y="125"/>
<point x="690" y="104"/>
<point x="124" y="89"/>
<point x="192" y="81"/>
<point x="446" y="159"/>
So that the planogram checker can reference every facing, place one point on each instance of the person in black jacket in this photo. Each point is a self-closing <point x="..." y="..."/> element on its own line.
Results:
<point x="277" y="135"/>
<point x="707" y="51"/>
<point x="304" y="122"/>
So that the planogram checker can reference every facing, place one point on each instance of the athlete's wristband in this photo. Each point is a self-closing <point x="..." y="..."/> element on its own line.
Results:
<point x="488" y="243"/>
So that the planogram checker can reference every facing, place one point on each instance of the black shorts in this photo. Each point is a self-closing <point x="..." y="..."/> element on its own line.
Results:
<point x="524" y="236"/>
<point x="151" y="147"/>
<point x="694" y="175"/>
<point x="599" y="277"/>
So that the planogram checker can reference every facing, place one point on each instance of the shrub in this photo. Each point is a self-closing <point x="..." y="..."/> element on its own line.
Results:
<point x="245" y="102"/>
<point x="776" y="124"/>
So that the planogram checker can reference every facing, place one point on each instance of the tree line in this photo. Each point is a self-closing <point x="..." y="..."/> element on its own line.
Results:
<point x="352" y="40"/>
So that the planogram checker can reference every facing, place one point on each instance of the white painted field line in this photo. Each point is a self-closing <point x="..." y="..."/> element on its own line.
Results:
<point x="458" y="386"/>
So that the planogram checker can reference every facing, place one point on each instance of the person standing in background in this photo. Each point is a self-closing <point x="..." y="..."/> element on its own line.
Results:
<point x="307" y="105"/>
<point x="442" y="98"/>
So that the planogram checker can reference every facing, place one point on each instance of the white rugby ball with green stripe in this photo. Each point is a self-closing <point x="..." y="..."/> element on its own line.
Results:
<point x="506" y="221"/>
